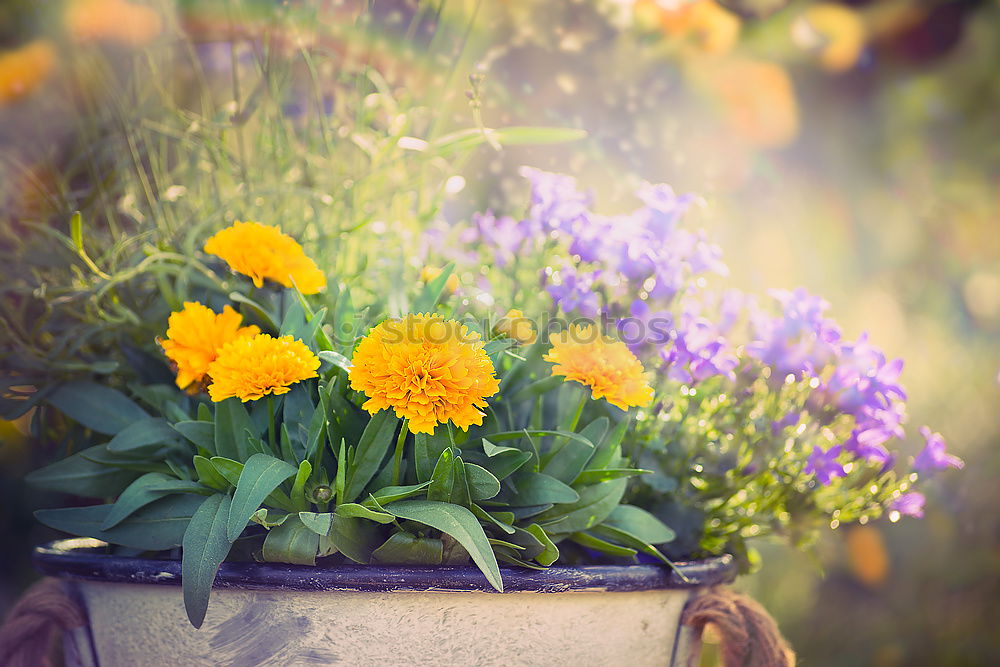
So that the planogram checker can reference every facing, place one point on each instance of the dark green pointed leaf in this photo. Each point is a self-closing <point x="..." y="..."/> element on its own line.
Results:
<point x="81" y="476"/>
<point x="96" y="406"/>
<point x="291" y="542"/>
<point x="406" y="549"/>
<point x="231" y="423"/>
<point x="335" y="358"/>
<point x="641" y="524"/>
<point x="355" y="538"/>
<point x="361" y="512"/>
<point x="142" y="434"/>
<point x="205" y="546"/>
<point x="595" y="504"/>
<point x="269" y="518"/>
<point x="534" y="488"/>
<point x="427" y="450"/>
<point x="260" y="476"/>
<point x="208" y="475"/>
<point x="143" y="491"/>
<point x="393" y="493"/>
<point x="201" y="433"/>
<point x="482" y="484"/>
<point x="597" y="544"/>
<point x="569" y="461"/>
<point x="155" y="527"/>
<point x="550" y="553"/>
<point x="595" y="476"/>
<point x="483" y="515"/>
<point x="319" y="523"/>
<point x="374" y="444"/>
<point x="458" y="522"/>
<point x="443" y="478"/>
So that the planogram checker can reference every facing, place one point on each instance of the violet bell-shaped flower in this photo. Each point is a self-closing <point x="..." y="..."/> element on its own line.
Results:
<point x="933" y="456"/>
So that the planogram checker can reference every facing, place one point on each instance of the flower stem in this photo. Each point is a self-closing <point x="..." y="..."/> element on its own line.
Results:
<point x="575" y="419"/>
<point x="270" y="423"/>
<point x="397" y="457"/>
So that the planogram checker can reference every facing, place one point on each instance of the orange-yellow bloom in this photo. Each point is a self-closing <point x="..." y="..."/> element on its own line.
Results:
<point x="426" y="368"/>
<point x="605" y="365"/>
<point x="194" y="337"/>
<point x="263" y="252"/>
<point x="23" y="70"/>
<point x="712" y="28"/>
<point x="429" y="273"/>
<point x="516" y="326"/>
<point x="836" y="33"/>
<point x="112" y="21"/>
<point x="251" y="368"/>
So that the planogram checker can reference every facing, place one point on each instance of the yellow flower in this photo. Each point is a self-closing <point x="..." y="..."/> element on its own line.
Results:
<point x="112" y="21"/>
<point x="516" y="326"/>
<point x="836" y="33"/>
<point x="429" y="273"/>
<point x="264" y="252"/>
<point x="756" y="99"/>
<point x="23" y="70"/>
<point x="711" y="27"/>
<point x="605" y="365"/>
<point x="250" y="368"/>
<point x="428" y="369"/>
<point x="196" y="334"/>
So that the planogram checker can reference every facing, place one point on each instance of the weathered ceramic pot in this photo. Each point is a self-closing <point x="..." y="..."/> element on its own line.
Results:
<point x="273" y="614"/>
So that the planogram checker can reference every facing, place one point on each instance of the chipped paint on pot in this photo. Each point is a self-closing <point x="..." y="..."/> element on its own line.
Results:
<point x="275" y="614"/>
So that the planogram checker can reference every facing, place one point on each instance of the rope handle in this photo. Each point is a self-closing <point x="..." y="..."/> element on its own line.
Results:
<point x="750" y="636"/>
<point x="26" y="637"/>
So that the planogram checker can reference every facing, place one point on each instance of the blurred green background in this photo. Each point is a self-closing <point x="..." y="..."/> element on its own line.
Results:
<point x="851" y="148"/>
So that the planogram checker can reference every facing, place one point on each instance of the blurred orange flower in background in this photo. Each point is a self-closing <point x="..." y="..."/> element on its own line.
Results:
<point x="755" y="98"/>
<point x="836" y="34"/>
<point x="112" y="21"/>
<point x="25" y="69"/>
<point x="867" y="557"/>
<point x="429" y="273"/>
<point x="709" y="26"/>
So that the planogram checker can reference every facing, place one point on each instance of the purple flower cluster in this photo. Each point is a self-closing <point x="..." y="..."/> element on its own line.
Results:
<point x="801" y="341"/>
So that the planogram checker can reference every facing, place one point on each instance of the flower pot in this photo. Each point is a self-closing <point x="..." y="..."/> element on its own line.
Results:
<point x="275" y="614"/>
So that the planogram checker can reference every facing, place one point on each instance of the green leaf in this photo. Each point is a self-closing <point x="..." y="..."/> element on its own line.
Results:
<point x="432" y="291"/>
<point x="641" y="524"/>
<point x="318" y="523"/>
<point x="317" y="425"/>
<point x="269" y="518"/>
<point x="298" y="495"/>
<point x="595" y="476"/>
<point x="258" y="309"/>
<point x="80" y="476"/>
<point x="608" y="454"/>
<point x="537" y="433"/>
<point x="427" y="450"/>
<point x="97" y="407"/>
<point x="393" y="493"/>
<point x="291" y="542"/>
<point x="204" y="548"/>
<point x="155" y="527"/>
<point x="596" y="543"/>
<point x="260" y="476"/>
<point x="231" y="423"/>
<point x="354" y="510"/>
<point x="208" y="475"/>
<point x="482" y="484"/>
<point x="595" y="504"/>
<point x="294" y="320"/>
<point x="372" y="448"/>
<point x="141" y="434"/>
<point x="143" y="491"/>
<point x="550" y="553"/>
<point x="483" y="515"/>
<point x="506" y="463"/>
<point x="534" y="488"/>
<point x="407" y="549"/>
<point x="355" y="538"/>
<point x="492" y="450"/>
<point x="335" y="358"/>
<point x="296" y="413"/>
<point x="76" y="230"/>
<point x="463" y="140"/>
<point x="458" y="522"/>
<point x="227" y="468"/>
<point x="443" y="478"/>
<point x="569" y="461"/>
<point x="201" y="433"/>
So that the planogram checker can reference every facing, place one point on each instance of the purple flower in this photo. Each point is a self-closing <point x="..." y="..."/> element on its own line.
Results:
<point x="697" y="352"/>
<point x="791" y="419"/>
<point x="574" y="292"/>
<point x="824" y="464"/>
<point x="933" y="456"/>
<point x="800" y="342"/>
<point x="505" y="236"/>
<point x="663" y="207"/>
<point x="556" y="202"/>
<point x="862" y="378"/>
<point x="873" y="428"/>
<point x="909" y="504"/>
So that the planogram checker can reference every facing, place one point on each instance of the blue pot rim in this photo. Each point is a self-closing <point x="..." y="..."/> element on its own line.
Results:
<point x="79" y="559"/>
